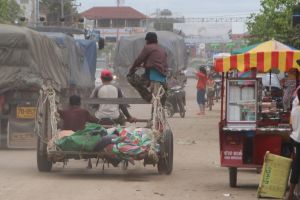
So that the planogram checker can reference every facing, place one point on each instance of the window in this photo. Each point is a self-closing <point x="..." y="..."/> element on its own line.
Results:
<point x="242" y="101"/>
<point x="104" y="23"/>
<point x="118" y="23"/>
<point x="133" y="23"/>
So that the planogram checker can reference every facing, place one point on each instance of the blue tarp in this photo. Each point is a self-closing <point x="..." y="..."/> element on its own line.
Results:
<point x="90" y="54"/>
<point x="80" y="56"/>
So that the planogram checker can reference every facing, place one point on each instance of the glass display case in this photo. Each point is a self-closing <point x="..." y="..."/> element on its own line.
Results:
<point x="242" y="102"/>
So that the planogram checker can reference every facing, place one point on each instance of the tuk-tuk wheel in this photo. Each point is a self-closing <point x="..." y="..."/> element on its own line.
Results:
<point x="165" y="163"/>
<point x="43" y="164"/>
<point x="232" y="176"/>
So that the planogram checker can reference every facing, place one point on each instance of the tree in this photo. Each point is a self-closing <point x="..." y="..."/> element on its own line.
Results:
<point x="274" y="22"/>
<point x="9" y="11"/>
<point x="52" y="10"/>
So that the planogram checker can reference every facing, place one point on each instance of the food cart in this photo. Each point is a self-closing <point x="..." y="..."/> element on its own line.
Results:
<point x="252" y="122"/>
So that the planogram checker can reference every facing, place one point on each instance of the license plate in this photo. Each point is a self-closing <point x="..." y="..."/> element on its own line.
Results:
<point x="26" y="112"/>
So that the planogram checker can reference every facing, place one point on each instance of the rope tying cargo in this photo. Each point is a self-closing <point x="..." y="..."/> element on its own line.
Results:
<point x="158" y="121"/>
<point x="47" y="93"/>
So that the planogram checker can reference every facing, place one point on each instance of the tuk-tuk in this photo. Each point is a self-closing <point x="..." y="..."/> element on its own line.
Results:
<point x="251" y="121"/>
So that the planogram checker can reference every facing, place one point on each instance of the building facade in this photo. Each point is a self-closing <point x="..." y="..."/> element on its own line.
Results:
<point x="28" y="7"/>
<point x="114" y="22"/>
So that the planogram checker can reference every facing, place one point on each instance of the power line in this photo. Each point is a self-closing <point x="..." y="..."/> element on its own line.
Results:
<point x="201" y="19"/>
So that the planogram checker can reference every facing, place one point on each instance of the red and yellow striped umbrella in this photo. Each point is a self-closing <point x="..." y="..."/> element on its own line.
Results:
<point x="266" y="56"/>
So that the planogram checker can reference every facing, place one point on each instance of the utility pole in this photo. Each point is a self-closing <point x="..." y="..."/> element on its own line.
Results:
<point x="62" y="12"/>
<point x="37" y="12"/>
<point x="118" y="5"/>
<point x="62" y="8"/>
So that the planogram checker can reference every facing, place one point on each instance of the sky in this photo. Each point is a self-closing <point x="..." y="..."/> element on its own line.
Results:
<point x="187" y="8"/>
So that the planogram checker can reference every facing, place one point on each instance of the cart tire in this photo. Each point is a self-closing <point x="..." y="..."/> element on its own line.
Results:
<point x="43" y="164"/>
<point x="165" y="163"/>
<point x="232" y="176"/>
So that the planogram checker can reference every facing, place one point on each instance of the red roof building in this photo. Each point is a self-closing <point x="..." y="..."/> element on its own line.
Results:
<point x="112" y="13"/>
<point x="115" y="21"/>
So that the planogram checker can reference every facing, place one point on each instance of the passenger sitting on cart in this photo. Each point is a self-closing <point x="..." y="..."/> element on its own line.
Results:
<point x="110" y="113"/>
<point x="153" y="59"/>
<point x="74" y="118"/>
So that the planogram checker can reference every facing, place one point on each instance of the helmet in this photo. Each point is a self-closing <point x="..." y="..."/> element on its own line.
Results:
<point x="106" y="75"/>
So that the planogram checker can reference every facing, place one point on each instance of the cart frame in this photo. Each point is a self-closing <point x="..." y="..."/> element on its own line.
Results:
<point x="44" y="129"/>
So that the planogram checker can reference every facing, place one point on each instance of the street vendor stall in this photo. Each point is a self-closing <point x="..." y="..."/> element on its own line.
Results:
<point x="251" y="121"/>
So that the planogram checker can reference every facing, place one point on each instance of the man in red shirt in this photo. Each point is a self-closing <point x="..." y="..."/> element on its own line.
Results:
<point x="75" y="117"/>
<point x="201" y="89"/>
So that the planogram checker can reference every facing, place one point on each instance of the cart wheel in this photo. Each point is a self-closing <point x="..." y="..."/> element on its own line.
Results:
<point x="232" y="176"/>
<point x="165" y="163"/>
<point x="44" y="165"/>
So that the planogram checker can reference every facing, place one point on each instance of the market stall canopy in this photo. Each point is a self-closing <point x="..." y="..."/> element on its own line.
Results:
<point x="264" y="57"/>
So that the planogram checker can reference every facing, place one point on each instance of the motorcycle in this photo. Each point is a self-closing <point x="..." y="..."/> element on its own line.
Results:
<point x="175" y="102"/>
<point x="217" y="89"/>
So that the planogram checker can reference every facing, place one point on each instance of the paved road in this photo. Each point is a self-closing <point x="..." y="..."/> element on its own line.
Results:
<point x="197" y="174"/>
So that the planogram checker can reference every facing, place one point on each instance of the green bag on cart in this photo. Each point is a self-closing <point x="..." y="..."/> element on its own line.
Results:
<point x="84" y="140"/>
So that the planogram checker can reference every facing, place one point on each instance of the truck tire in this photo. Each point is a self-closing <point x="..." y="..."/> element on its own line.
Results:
<point x="3" y="134"/>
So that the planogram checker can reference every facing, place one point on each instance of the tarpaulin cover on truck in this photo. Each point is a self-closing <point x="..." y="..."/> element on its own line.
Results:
<point x="75" y="54"/>
<point x="129" y="48"/>
<point x="28" y="57"/>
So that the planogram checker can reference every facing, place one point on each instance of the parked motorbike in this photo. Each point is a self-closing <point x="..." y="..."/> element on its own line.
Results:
<point x="175" y="102"/>
<point x="217" y="89"/>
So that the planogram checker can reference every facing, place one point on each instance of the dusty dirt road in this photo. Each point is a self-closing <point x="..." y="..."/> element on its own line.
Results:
<point x="197" y="173"/>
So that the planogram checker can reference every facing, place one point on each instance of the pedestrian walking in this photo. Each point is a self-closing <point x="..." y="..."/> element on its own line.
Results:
<point x="295" y="137"/>
<point x="201" y="89"/>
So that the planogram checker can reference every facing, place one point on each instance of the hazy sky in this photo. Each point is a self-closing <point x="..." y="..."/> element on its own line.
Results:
<point x="188" y="8"/>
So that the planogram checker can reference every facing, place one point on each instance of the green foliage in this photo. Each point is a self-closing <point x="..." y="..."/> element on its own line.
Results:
<point x="274" y="22"/>
<point x="9" y="11"/>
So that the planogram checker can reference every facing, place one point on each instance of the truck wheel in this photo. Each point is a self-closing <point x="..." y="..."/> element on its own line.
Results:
<point x="44" y="165"/>
<point x="3" y="134"/>
<point x="165" y="163"/>
<point x="232" y="176"/>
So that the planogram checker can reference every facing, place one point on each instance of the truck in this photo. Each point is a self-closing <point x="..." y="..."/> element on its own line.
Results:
<point x="28" y="61"/>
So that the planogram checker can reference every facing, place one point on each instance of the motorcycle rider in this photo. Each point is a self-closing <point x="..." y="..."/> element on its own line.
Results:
<point x="153" y="59"/>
